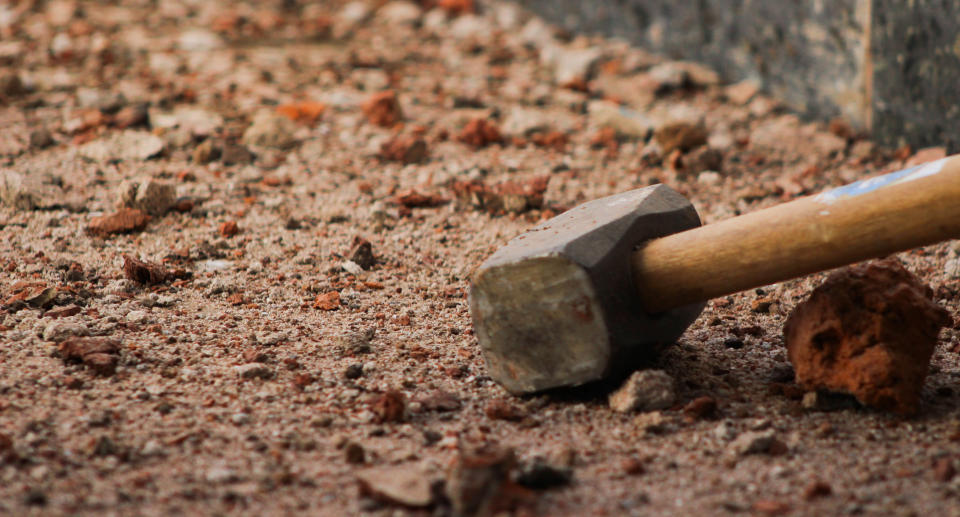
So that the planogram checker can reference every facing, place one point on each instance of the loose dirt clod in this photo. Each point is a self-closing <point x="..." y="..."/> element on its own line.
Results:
<point x="100" y="354"/>
<point x="869" y="330"/>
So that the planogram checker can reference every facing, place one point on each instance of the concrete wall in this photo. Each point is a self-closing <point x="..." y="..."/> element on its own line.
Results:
<point x="891" y="66"/>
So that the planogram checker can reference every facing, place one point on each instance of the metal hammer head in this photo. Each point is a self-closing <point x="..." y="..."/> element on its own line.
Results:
<point x="557" y="305"/>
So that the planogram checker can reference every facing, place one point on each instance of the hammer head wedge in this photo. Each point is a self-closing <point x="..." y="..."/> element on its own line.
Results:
<point x="557" y="305"/>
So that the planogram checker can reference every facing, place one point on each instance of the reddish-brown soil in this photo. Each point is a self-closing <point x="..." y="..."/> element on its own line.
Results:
<point x="286" y="357"/>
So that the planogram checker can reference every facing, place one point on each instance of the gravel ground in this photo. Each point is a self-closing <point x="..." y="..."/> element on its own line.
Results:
<point x="271" y="359"/>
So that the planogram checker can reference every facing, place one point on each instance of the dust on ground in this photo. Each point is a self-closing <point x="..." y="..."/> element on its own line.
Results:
<point x="317" y="181"/>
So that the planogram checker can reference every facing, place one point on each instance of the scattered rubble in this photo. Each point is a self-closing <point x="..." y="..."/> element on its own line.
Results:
<point x="478" y="482"/>
<point x="144" y="272"/>
<point x="404" y="485"/>
<point x="22" y="192"/>
<point x="361" y="253"/>
<point x="415" y="199"/>
<point x="682" y="136"/>
<point x="645" y="390"/>
<point x="757" y="442"/>
<point x="125" y="145"/>
<point x="147" y="195"/>
<point x="869" y="330"/>
<point x="339" y="314"/>
<point x="100" y="354"/>
<point x="626" y="122"/>
<point x="270" y="130"/>
<point x="506" y="197"/>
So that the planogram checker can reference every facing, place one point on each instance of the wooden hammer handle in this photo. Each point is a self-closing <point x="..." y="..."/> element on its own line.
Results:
<point x="863" y="220"/>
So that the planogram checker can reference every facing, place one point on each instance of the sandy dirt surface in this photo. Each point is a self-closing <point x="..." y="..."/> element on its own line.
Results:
<point x="309" y="326"/>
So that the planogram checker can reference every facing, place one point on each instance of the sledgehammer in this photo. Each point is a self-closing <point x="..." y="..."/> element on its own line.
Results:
<point x="598" y="289"/>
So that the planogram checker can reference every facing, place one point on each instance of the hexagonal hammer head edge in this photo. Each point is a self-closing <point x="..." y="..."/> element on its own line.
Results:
<point x="557" y="306"/>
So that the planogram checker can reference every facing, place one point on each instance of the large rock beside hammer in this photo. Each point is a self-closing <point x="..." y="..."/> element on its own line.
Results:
<point x="869" y="331"/>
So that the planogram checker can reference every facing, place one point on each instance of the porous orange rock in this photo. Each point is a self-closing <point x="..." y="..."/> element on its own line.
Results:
<point x="869" y="330"/>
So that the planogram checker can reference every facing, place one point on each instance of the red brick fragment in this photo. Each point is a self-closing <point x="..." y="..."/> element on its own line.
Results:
<point x="100" y="354"/>
<point x="383" y="109"/>
<point x="480" y="132"/>
<point x="327" y="301"/>
<point x="405" y="149"/>
<point x="126" y="220"/>
<point x="869" y="331"/>
<point x="229" y="228"/>
<point x="390" y="406"/>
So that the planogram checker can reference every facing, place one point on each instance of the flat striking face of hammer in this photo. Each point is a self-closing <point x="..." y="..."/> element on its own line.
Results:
<point x="557" y="307"/>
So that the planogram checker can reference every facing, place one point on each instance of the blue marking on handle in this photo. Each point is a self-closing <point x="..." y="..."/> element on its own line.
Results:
<point x="871" y="184"/>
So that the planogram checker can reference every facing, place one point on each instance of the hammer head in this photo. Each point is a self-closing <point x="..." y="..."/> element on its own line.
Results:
<point x="557" y="305"/>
